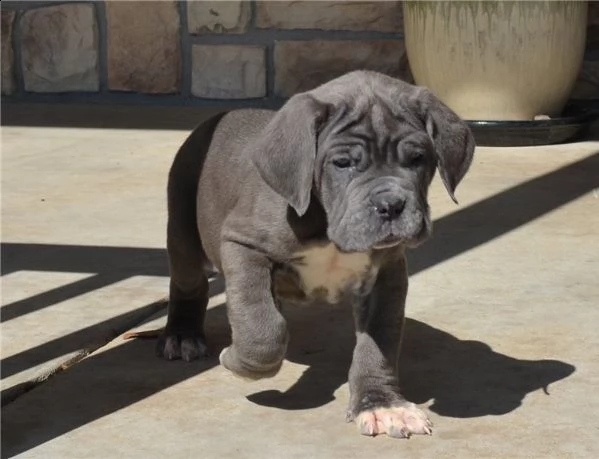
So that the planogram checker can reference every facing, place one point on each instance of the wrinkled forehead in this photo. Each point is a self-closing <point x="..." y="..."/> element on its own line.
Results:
<point x="376" y="122"/>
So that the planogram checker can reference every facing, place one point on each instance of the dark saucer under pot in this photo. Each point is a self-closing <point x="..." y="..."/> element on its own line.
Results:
<point x="571" y="126"/>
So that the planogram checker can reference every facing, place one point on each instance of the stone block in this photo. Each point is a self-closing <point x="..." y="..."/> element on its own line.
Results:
<point x="144" y="50"/>
<point x="60" y="48"/>
<point x="303" y="65"/>
<point x="330" y="15"/>
<point x="218" y="17"/>
<point x="8" y="78"/>
<point x="228" y="71"/>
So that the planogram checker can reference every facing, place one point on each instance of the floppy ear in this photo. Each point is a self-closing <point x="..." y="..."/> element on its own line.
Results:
<point x="285" y="152"/>
<point x="452" y="139"/>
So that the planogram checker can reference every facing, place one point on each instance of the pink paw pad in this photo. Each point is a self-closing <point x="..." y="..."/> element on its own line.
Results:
<point x="398" y="422"/>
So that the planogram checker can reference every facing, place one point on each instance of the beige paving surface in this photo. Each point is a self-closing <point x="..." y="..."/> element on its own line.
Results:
<point x="500" y="342"/>
<point x="82" y="230"/>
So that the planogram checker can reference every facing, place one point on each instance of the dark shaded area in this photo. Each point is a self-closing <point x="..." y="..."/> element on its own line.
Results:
<point x="110" y="265"/>
<point x="138" y="374"/>
<point x="100" y="332"/>
<point x="124" y="261"/>
<point x="499" y="214"/>
<point x="88" y="115"/>
<point x="76" y="345"/>
<point x="323" y="339"/>
<point x="465" y="378"/>
<point x="454" y="234"/>
<point x="137" y="111"/>
<point x="58" y="294"/>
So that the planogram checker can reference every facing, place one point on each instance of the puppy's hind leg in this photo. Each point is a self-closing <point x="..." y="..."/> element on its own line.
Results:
<point x="183" y="336"/>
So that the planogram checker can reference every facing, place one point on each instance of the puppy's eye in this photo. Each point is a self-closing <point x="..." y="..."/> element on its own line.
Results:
<point x="342" y="162"/>
<point x="416" y="159"/>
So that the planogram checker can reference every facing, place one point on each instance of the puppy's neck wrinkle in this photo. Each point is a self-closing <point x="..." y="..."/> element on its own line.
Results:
<point x="312" y="226"/>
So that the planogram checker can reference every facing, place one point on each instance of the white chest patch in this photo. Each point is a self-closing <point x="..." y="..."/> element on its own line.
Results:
<point x="326" y="272"/>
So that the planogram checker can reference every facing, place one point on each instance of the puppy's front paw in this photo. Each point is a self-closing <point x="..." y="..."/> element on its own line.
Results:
<point x="243" y="368"/>
<point x="181" y="346"/>
<point x="399" y="421"/>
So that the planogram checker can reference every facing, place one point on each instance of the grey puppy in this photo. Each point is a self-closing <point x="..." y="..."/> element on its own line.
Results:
<point x="316" y="201"/>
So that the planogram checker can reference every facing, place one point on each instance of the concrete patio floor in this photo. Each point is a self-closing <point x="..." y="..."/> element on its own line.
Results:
<point x="501" y="338"/>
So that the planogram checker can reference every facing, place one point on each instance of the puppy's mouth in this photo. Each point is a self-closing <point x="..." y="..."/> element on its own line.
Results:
<point x="393" y="239"/>
<point x="388" y="242"/>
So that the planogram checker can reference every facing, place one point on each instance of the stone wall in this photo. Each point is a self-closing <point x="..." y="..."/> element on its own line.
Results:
<point x="205" y="52"/>
<point x="191" y="52"/>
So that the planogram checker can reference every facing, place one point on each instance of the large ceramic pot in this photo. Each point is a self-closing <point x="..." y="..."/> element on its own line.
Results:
<point x="497" y="60"/>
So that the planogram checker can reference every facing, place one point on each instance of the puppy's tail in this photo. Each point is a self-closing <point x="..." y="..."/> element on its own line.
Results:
<point x="183" y="179"/>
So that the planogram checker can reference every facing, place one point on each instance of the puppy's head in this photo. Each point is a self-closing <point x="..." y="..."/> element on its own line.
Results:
<point x="366" y="146"/>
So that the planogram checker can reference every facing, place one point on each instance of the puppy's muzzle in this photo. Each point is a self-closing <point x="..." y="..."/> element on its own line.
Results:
<point x="388" y="204"/>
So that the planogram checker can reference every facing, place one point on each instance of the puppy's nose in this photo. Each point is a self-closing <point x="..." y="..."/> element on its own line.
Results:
<point x="388" y="205"/>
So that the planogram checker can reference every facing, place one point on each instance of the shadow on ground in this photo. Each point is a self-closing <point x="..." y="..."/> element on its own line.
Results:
<point x="464" y="378"/>
<point x="78" y="116"/>
<point x="108" y="265"/>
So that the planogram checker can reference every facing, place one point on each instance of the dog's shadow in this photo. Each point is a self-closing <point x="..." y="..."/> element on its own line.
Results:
<point x="463" y="378"/>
